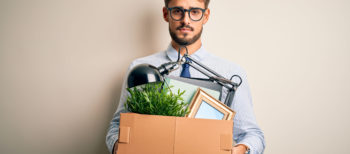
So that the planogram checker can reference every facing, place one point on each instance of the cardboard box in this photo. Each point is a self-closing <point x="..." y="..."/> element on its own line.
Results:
<point x="151" y="134"/>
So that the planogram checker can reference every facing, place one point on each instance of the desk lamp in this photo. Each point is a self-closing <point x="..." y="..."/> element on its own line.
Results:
<point x="146" y="73"/>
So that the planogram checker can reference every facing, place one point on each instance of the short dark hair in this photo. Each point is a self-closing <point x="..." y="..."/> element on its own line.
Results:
<point x="206" y="2"/>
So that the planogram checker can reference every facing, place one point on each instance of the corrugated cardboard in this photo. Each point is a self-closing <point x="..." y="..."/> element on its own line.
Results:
<point x="151" y="134"/>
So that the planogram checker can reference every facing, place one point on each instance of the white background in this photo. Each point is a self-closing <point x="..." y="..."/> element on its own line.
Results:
<point x="62" y="63"/>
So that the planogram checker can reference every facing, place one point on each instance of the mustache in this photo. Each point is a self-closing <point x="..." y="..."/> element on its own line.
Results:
<point x="184" y="26"/>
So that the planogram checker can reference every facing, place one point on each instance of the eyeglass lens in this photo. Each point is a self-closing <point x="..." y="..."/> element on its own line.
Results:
<point x="194" y="13"/>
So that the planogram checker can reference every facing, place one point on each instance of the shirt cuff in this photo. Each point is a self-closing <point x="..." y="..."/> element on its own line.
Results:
<point x="112" y="143"/>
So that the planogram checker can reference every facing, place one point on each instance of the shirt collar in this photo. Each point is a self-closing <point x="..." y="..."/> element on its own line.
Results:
<point x="200" y="54"/>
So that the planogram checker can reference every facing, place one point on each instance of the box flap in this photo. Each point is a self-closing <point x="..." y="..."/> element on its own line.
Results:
<point x="124" y="134"/>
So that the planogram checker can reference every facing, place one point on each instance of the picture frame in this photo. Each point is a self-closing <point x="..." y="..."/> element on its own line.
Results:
<point x="204" y="106"/>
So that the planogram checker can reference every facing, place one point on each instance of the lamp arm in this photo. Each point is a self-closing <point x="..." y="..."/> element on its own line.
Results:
<point x="229" y="98"/>
<point x="208" y="75"/>
<point x="231" y="89"/>
<point x="203" y="66"/>
<point x="166" y="68"/>
<point x="217" y="78"/>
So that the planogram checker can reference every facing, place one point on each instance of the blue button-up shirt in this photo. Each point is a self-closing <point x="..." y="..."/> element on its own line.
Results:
<point x="245" y="129"/>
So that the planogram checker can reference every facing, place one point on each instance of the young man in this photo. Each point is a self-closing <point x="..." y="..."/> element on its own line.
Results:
<point x="186" y="19"/>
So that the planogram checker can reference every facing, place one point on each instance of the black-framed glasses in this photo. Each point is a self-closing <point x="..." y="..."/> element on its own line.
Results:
<point x="178" y="13"/>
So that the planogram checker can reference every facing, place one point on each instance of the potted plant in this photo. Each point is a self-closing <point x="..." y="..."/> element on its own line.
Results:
<point x="156" y="99"/>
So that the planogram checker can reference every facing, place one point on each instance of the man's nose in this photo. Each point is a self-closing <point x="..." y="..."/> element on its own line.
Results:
<point x="186" y="19"/>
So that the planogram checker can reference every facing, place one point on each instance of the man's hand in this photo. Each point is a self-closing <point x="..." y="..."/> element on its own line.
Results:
<point x="239" y="149"/>
<point x="115" y="149"/>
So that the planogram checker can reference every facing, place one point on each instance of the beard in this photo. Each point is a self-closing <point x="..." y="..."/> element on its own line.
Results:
<point x="185" y="41"/>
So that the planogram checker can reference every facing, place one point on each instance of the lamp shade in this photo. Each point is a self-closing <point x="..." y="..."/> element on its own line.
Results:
<point x="143" y="74"/>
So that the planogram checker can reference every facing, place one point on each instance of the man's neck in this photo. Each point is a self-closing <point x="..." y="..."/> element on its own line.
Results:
<point x="191" y="48"/>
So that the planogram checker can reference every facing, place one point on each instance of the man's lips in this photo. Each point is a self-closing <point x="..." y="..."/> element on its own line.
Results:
<point x="185" y="30"/>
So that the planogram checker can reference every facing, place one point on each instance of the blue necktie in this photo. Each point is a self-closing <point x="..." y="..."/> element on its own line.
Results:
<point x="186" y="69"/>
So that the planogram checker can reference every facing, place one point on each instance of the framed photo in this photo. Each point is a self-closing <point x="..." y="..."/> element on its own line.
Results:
<point x="205" y="106"/>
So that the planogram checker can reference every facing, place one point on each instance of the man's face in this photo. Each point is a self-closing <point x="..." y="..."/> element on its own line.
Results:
<point x="185" y="31"/>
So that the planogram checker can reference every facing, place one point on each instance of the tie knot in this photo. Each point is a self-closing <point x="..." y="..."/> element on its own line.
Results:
<point x="188" y="59"/>
<point x="186" y="69"/>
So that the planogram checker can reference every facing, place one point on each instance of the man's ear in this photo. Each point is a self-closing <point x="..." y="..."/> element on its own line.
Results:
<point x="165" y="14"/>
<point x="206" y="15"/>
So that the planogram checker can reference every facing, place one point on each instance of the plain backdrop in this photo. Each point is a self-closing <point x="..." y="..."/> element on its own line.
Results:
<point x="62" y="63"/>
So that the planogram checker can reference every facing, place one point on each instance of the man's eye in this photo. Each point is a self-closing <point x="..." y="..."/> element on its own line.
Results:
<point x="177" y="11"/>
<point x="195" y="11"/>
